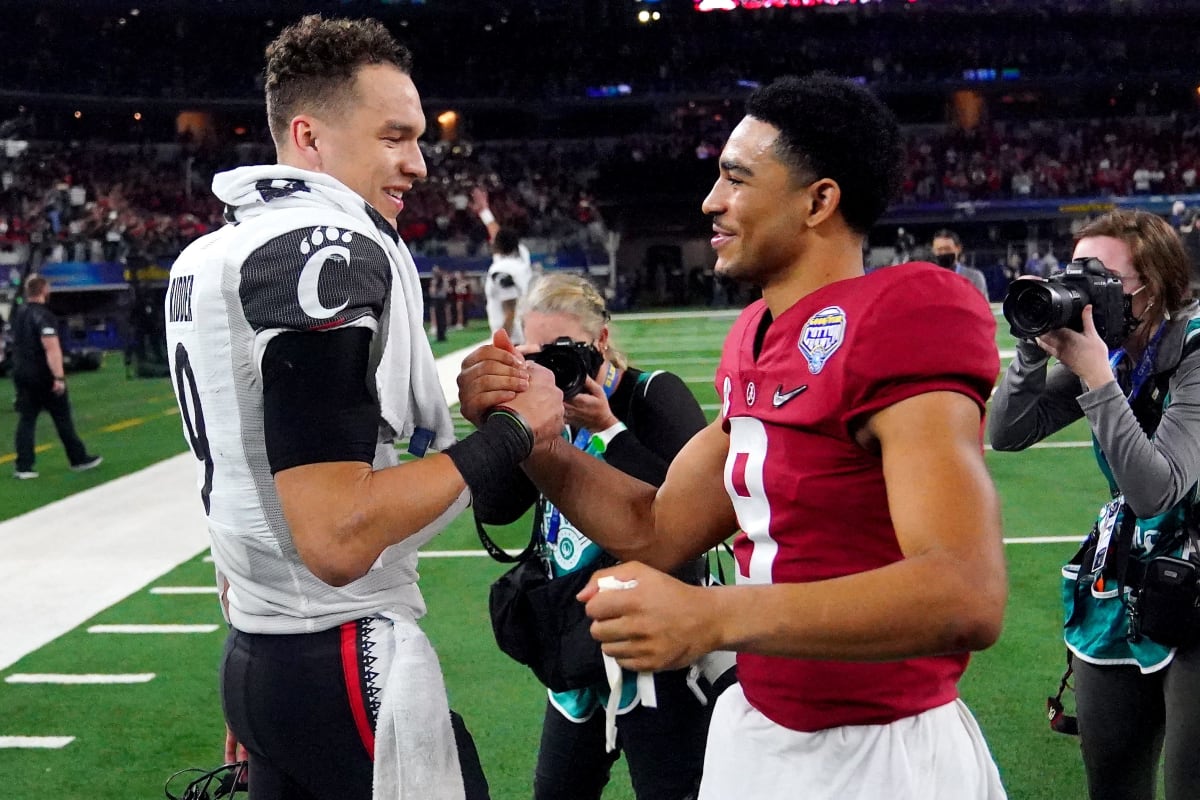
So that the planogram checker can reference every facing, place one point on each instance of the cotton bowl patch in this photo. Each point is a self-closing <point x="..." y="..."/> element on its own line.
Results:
<point x="822" y="336"/>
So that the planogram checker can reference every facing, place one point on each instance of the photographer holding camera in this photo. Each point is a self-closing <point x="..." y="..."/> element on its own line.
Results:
<point x="637" y="421"/>
<point x="1124" y="331"/>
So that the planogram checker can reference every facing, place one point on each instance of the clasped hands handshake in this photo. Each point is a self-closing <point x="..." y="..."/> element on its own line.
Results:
<point x="655" y="626"/>
<point x="496" y="374"/>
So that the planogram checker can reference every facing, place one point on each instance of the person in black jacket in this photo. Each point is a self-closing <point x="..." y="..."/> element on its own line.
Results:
<point x="637" y="421"/>
<point x="40" y="381"/>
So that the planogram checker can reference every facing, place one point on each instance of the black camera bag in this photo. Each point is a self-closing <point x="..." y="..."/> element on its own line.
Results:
<point x="538" y="622"/>
<point x="1167" y="609"/>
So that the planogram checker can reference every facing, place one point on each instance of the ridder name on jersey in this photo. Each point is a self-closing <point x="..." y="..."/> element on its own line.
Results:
<point x="179" y="308"/>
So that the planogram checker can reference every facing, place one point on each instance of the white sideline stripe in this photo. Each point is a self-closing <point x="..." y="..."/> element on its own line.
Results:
<point x="44" y="742"/>
<point x="205" y="628"/>
<point x="104" y="543"/>
<point x="133" y="677"/>
<point x="185" y="589"/>
<point x="208" y="559"/>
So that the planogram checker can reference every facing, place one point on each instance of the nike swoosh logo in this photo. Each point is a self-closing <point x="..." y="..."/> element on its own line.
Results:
<point x="782" y="397"/>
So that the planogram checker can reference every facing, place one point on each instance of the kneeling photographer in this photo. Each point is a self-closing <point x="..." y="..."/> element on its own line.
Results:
<point x="637" y="421"/>
<point x="1126" y="333"/>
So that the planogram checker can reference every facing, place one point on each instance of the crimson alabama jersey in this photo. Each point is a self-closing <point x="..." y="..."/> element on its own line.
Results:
<point x="811" y="502"/>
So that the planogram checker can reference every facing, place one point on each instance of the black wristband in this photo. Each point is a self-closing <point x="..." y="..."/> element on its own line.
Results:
<point x="493" y="451"/>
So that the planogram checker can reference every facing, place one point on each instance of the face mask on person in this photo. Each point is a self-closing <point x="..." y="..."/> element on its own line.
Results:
<point x="946" y="260"/>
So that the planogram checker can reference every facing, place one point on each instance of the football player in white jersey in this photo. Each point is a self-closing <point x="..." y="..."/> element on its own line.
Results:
<point x="298" y="359"/>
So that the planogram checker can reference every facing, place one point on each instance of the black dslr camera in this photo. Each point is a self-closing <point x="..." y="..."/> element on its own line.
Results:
<point x="571" y="362"/>
<point x="1035" y="306"/>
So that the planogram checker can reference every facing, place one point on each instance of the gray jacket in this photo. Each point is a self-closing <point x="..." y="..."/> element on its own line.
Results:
<point x="1032" y="402"/>
<point x="976" y="277"/>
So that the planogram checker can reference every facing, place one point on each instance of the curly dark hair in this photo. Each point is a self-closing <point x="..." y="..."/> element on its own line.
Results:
<point x="312" y="65"/>
<point x="834" y="128"/>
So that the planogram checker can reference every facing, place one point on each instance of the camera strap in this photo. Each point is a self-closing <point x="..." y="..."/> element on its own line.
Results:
<point x="583" y="438"/>
<point x="1145" y="366"/>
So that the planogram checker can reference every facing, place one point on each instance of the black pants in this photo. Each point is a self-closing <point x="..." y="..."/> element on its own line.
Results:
<point x="663" y="747"/>
<point x="441" y="311"/>
<point x="285" y="698"/>
<point x="33" y="397"/>
<point x="1127" y="720"/>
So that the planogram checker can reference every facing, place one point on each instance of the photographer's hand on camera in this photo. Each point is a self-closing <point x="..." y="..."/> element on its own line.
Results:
<point x="589" y="409"/>
<point x="1085" y="354"/>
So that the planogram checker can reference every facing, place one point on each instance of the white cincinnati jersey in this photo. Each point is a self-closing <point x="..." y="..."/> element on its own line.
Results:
<point x="301" y="264"/>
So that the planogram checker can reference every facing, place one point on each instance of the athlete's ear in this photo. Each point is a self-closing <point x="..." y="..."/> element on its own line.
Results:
<point x="303" y="138"/>
<point x="824" y="197"/>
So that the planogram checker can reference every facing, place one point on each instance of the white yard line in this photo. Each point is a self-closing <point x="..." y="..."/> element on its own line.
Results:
<point x="80" y="680"/>
<point x="185" y="589"/>
<point x="152" y="629"/>
<point x="38" y="742"/>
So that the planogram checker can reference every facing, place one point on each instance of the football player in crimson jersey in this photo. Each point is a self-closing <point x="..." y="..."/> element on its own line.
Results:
<point x="848" y="454"/>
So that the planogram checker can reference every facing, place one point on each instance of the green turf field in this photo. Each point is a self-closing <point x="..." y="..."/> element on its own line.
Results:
<point x="129" y="738"/>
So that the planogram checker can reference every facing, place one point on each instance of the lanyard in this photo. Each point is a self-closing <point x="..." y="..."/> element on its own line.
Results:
<point x="1145" y="366"/>
<point x="582" y="438"/>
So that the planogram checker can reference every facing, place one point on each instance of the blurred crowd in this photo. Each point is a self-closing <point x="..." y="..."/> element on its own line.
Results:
<point x="93" y="203"/>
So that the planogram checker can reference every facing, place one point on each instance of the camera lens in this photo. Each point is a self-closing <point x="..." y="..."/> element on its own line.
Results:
<point x="1033" y="307"/>
<point x="570" y="373"/>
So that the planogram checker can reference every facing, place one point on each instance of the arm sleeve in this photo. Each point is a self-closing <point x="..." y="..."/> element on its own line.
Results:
<point x="932" y="335"/>
<point x="663" y="418"/>
<point x="1032" y="401"/>
<point x="499" y="503"/>
<point x="1153" y="474"/>
<point x="316" y="404"/>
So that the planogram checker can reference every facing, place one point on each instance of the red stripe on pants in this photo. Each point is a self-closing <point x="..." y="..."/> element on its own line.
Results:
<point x="354" y="693"/>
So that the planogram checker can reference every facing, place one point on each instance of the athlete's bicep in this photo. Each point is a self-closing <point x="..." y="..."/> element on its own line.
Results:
<point x="692" y="510"/>
<point x="940" y="495"/>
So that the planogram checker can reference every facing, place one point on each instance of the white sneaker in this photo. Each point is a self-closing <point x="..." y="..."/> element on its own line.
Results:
<point x="24" y="474"/>
<point x="84" y="466"/>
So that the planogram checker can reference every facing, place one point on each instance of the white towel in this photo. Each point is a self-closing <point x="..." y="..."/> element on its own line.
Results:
<point x="646" y="693"/>
<point x="410" y="391"/>
<point x="415" y="754"/>
<point x="406" y="380"/>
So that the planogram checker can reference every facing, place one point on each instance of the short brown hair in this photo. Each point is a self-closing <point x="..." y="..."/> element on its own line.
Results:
<point x="312" y="65"/>
<point x="35" y="286"/>
<point x="1158" y="256"/>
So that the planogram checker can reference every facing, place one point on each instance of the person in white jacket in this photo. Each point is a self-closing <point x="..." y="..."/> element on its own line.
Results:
<point x="506" y="283"/>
